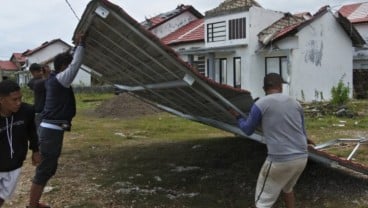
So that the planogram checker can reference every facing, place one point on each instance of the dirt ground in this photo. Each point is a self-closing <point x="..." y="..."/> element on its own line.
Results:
<point x="117" y="107"/>
<point x="222" y="167"/>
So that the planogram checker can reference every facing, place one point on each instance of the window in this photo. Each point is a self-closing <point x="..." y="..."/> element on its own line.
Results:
<point x="208" y="68"/>
<point x="216" y="32"/>
<point x="237" y="72"/>
<point x="237" y="29"/>
<point x="223" y="70"/>
<point x="199" y="64"/>
<point x="277" y="65"/>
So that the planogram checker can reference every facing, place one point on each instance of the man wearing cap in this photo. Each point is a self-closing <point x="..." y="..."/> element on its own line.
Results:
<point x="282" y="121"/>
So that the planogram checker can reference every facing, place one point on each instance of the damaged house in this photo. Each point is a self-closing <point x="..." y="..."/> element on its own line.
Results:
<point x="357" y="14"/>
<point x="238" y="42"/>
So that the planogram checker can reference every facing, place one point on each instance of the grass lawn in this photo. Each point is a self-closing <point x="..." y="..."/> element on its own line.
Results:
<point x="166" y="161"/>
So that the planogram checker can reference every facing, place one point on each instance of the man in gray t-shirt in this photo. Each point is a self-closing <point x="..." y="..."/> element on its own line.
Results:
<point x="282" y="121"/>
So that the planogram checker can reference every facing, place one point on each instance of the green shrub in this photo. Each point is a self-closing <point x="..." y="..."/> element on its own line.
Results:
<point x="340" y="93"/>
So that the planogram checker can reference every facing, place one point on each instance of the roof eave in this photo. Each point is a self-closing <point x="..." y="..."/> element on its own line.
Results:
<point x="351" y="31"/>
<point x="175" y="43"/>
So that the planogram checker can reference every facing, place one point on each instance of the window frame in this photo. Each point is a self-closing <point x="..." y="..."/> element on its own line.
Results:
<point x="222" y="71"/>
<point x="237" y="28"/>
<point x="280" y="64"/>
<point x="235" y="61"/>
<point x="216" y="31"/>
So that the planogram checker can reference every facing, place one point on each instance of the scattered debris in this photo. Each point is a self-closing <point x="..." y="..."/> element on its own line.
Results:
<point x="129" y="188"/>
<point x="319" y="109"/>
<point x="48" y="189"/>
<point x="197" y="146"/>
<point x="157" y="178"/>
<point x="180" y="169"/>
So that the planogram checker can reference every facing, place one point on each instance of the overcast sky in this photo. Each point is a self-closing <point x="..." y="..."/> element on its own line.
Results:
<point x="26" y="24"/>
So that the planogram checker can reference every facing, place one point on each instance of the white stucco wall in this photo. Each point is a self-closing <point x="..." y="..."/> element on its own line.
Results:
<point x="173" y="24"/>
<point x="47" y="53"/>
<point x="252" y="73"/>
<point x="323" y="57"/>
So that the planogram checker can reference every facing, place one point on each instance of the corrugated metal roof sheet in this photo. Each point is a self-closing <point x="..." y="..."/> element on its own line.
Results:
<point x="132" y="58"/>
<point x="124" y="53"/>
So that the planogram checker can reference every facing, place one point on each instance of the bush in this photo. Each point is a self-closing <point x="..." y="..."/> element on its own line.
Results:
<point x="340" y="93"/>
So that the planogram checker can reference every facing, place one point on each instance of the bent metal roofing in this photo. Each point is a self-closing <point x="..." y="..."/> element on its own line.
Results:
<point x="125" y="54"/>
<point x="133" y="59"/>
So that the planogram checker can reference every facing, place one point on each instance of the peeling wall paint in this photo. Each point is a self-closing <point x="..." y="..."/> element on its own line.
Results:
<point x="314" y="52"/>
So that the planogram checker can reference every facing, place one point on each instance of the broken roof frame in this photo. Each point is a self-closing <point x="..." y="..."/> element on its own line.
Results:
<point x="126" y="55"/>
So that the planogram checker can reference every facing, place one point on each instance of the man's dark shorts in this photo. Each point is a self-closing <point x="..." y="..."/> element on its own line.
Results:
<point x="50" y="145"/>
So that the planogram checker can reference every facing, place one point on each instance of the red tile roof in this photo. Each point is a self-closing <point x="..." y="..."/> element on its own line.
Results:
<point x="285" y="30"/>
<point x="8" y="66"/>
<point x="192" y="32"/>
<point x="19" y="57"/>
<point x="356" y="13"/>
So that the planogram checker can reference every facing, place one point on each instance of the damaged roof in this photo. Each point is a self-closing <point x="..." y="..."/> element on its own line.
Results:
<point x="291" y="24"/>
<point x="279" y="28"/>
<point x="231" y="6"/>
<point x="157" y="20"/>
<point x="18" y="57"/>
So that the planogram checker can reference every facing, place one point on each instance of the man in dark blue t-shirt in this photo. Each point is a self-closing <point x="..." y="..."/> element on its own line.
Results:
<point x="56" y="116"/>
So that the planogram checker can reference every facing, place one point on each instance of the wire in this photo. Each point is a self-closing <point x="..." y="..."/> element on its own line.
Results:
<point x="71" y="8"/>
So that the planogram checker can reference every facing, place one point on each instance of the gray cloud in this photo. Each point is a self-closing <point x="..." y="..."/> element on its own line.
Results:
<point x="27" y="24"/>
